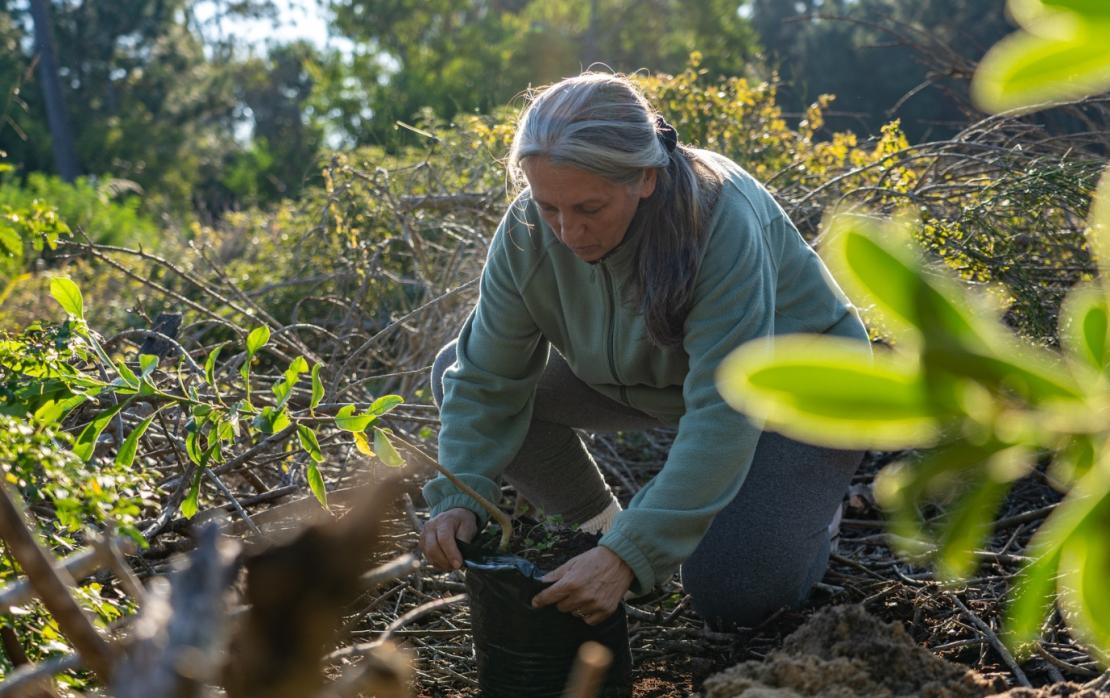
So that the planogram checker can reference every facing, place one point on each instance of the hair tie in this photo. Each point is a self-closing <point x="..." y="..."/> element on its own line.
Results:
<point x="666" y="133"/>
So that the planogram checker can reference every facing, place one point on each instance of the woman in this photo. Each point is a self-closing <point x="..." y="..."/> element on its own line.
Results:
<point x="615" y="284"/>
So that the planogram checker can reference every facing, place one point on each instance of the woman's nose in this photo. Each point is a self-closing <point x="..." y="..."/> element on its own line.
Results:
<point x="569" y="226"/>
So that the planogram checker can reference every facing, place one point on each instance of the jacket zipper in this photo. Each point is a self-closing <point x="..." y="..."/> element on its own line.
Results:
<point x="611" y="348"/>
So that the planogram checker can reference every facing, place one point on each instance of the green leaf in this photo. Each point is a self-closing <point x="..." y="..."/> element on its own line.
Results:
<point x="85" y="444"/>
<point x="968" y="526"/>
<point x="280" y="421"/>
<point x="387" y="454"/>
<point x="830" y="390"/>
<point x="309" y="443"/>
<point x="905" y="487"/>
<point x="1031" y="601"/>
<point x="271" y="420"/>
<point x="316" y="483"/>
<point x="317" y="388"/>
<point x="11" y="244"/>
<point x="1023" y="70"/>
<point x="1073" y="460"/>
<point x="257" y="339"/>
<point x="1060" y="18"/>
<point x="128" y="376"/>
<point x="147" y="364"/>
<point x="876" y="265"/>
<point x="296" y="367"/>
<point x="225" y="429"/>
<point x="384" y="404"/>
<point x="68" y="296"/>
<point x="192" y="448"/>
<point x="346" y="420"/>
<point x="281" y="391"/>
<point x="1084" y="569"/>
<point x="52" y="411"/>
<point x="1098" y="229"/>
<point x="1085" y="328"/>
<point x="191" y="503"/>
<point x="126" y="455"/>
<point x="1008" y="368"/>
<point x="210" y="365"/>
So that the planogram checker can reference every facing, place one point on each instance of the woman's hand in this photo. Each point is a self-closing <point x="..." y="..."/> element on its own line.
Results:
<point x="590" y="585"/>
<point x="437" y="540"/>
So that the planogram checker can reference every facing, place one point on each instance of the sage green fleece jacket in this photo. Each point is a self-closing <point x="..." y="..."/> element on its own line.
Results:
<point x="757" y="277"/>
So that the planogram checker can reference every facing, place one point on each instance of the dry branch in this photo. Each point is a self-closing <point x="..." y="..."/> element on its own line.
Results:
<point x="52" y="586"/>
<point x="178" y="642"/>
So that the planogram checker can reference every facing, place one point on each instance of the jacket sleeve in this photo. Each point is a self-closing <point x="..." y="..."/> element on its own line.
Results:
<point x="735" y="295"/>
<point x="488" y="394"/>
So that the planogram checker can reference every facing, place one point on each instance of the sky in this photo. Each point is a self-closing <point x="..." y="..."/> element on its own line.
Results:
<point x="297" y="19"/>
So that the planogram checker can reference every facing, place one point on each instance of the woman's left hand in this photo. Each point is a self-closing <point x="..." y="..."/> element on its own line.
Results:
<point x="590" y="585"/>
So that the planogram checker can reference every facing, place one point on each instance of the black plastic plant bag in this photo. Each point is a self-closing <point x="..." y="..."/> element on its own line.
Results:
<point x="524" y="651"/>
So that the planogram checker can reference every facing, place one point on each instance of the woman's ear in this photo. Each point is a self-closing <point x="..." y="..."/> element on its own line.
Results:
<point x="647" y="184"/>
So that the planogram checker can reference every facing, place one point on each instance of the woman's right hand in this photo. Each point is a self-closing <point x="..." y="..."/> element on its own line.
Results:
<point x="437" y="540"/>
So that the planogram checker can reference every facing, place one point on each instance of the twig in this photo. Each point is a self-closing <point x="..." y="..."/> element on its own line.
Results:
<point x="342" y="371"/>
<point x="146" y="334"/>
<point x="234" y="502"/>
<point x="501" y="517"/>
<point x="78" y="565"/>
<point x="396" y="569"/>
<point x="111" y="556"/>
<point x="30" y="678"/>
<point x="248" y="454"/>
<point x="414" y="614"/>
<point x="993" y="639"/>
<point x="1025" y="517"/>
<point x="52" y="586"/>
<point x="1066" y="666"/>
<point x="386" y="673"/>
<point x="1053" y="664"/>
<point x="410" y="512"/>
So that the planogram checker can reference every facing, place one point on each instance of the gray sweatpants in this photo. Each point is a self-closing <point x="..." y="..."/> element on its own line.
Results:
<point x="763" y="551"/>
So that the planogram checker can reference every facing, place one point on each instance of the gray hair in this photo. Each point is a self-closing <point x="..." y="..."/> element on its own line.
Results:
<point x="603" y="124"/>
<point x="596" y="122"/>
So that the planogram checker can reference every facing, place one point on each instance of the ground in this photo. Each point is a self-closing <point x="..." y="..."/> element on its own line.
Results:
<point x="876" y="625"/>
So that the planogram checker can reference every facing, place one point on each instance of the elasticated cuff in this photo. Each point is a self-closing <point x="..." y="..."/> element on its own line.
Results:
<point x="441" y="495"/>
<point x="626" y="549"/>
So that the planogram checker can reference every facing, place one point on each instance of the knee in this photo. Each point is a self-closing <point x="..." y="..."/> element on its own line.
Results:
<point x="444" y="359"/>
<point x="728" y="592"/>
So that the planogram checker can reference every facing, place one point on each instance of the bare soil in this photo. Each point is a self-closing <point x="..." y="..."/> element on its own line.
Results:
<point x="844" y="651"/>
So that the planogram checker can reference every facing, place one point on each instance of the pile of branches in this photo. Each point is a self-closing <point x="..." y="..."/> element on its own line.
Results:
<point x="1003" y="201"/>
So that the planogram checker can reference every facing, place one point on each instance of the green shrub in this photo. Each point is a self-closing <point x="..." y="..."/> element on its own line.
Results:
<point x="106" y="211"/>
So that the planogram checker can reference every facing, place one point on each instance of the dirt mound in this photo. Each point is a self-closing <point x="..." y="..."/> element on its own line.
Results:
<point x="844" y="652"/>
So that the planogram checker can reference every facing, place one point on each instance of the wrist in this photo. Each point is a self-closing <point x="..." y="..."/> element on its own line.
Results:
<point x="622" y="567"/>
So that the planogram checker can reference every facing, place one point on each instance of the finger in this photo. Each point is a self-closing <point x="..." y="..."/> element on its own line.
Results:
<point x="449" y="549"/>
<point x="468" y="527"/>
<point x="428" y="544"/>
<point x="595" y="617"/>
<point x="555" y="574"/>
<point x="555" y="593"/>
<point x="437" y="552"/>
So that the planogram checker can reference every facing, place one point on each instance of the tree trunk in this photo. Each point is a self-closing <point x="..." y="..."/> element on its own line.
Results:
<point x="589" y="47"/>
<point x="65" y="156"/>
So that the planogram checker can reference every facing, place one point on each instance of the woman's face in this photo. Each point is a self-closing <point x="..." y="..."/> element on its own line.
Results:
<point x="588" y="213"/>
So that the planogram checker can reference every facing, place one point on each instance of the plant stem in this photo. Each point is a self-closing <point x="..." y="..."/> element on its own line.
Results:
<point x="501" y="517"/>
